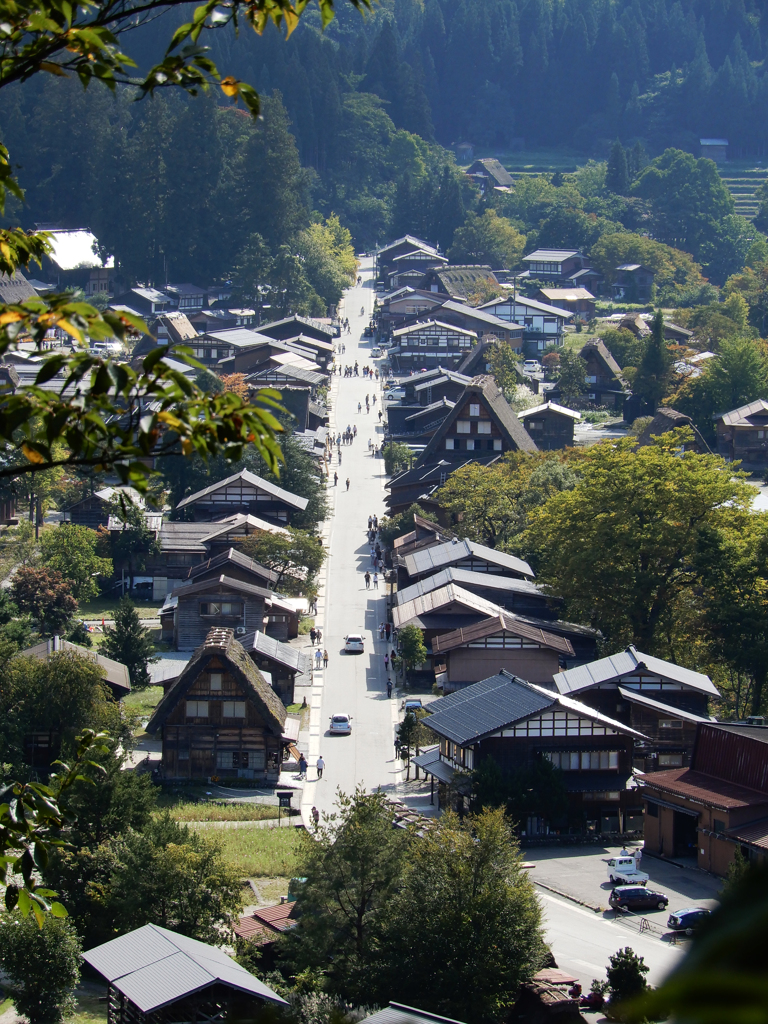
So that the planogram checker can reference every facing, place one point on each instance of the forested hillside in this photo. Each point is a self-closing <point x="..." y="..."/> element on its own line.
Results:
<point x="358" y="121"/>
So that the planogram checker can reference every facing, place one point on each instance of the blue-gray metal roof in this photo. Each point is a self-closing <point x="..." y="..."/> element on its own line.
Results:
<point x="486" y="706"/>
<point x="627" y="663"/>
<point x="441" y="555"/>
<point x="498" y="702"/>
<point x="153" y="967"/>
<point x="468" y="578"/>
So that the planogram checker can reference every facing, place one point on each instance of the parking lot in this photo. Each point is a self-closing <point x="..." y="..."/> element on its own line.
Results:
<point x="581" y="872"/>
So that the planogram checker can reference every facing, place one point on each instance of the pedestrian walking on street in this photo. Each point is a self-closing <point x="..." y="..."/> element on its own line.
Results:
<point x="375" y="522"/>
<point x="370" y="523"/>
<point x="325" y="659"/>
<point x="381" y="630"/>
<point x="367" y="580"/>
<point x="303" y="766"/>
<point x="386" y="663"/>
<point x="347" y="483"/>
<point x="389" y="687"/>
<point x="388" y="630"/>
<point x="375" y="581"/>
<point x="335" y="479"/>
<point x="359" y="406"/>
<point x="312" y="635"/>
<point x="318" y="658"/>
<point x="379" y="415"/>
<point x="315" y="816"/>
<point x="320" y="766"/>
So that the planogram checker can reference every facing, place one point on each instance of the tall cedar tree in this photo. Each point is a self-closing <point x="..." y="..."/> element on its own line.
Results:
<point x="617" y="172"/>
<point x="130" y="644"/>
<point x="653" y="374"/>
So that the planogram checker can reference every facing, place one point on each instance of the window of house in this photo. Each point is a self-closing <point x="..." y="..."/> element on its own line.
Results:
<point x="497" y="444"/>
<point x="183" y="755"/>
<point x="463" y="426"/>
<point x="484" y="427"/>
<point x="670" y="723"/>
<point x="232" y="608"/>
<point x="718" y="825"/>
<point x="470" y="445"/>
<point x="583" y="760"/>
<point x="213" y="354"/>
<point x="449" y="444"/>
<point x="535" y="424"/>
<point x="670" y="760"/>
<point x="761" y="433"/>
<point x="215" y="681"/>
<point x="234" y="709"/>
<point x="474" y="410"/>
<point x="197" y="709"/>
<point x="590" y="380"/>
<point x="652" y="810"/>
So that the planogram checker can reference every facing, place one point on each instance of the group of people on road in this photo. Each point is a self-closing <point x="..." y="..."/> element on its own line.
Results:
<point x="368" y="579"/>
<point x="321" y="657"/>
<point x="304" y="765"/>
<point x="350" y="371"/>
<point x="348" y="436"/>
<point x="315" y="635"/>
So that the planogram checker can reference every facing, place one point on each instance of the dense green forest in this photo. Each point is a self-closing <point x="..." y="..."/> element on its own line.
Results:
<point x="358" y="121"/>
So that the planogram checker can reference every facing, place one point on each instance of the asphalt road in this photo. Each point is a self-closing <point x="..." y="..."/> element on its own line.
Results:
<point x="582" y="941"/>
<point x="353" y="683"/>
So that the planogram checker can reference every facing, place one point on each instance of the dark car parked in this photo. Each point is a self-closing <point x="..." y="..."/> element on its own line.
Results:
<point x="637" y="897"/>
<point x="687" y="920"/>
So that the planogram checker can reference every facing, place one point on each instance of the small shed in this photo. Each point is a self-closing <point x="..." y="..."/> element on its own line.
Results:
<point x="399" y="1013"/>
<point x="156" y="976"/>
<point x="715" y="149"/>
<point x="550" y="425"/>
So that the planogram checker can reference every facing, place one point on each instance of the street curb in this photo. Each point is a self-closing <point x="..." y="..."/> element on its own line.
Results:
<point x="558" y="892"/>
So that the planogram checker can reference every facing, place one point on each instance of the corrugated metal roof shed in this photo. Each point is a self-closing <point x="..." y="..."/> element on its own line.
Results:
<point x="469" y="579"/>
<point x="639" y="698"/>
<point x="438" y="599"/>
<point x="399" y="1013"/>
<point x="153" y="966"/>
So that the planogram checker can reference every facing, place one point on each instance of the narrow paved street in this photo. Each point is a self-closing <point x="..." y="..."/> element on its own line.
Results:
<point x="353" y="683"/>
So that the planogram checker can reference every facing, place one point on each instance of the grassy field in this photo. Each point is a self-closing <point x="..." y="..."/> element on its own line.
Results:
<point x="186" y="810"/>
<point x="260" y="852"/>
<point x="89" y="1009"/>
<point x="104" y="608"/>
<point x="144" y="701"/>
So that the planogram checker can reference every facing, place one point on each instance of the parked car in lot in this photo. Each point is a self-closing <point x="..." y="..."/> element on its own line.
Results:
<point x="394" y="395"/>
<point x="687" y="920"/>
<point x="341" y="724"/>
<point x="531" y="366"/>
<point x="637" y="897"/>
<point x="375" y="352"/>
<point x="354" y="643"/>
<point x="624" y="871"/>
<point x="413" y="704"/>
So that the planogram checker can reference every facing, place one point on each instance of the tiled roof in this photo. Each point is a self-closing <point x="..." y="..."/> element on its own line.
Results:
<point x="438" y="599"/>
<point x="701" y="788"/>
<point x="266" y="923"/>
<point x="741" y="417"/>
<point x="469" y="579"/>
<point x="754" y="834"/>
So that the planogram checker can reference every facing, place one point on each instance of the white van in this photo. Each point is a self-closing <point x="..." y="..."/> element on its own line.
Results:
<point x="531" y="366"/>
<point x="376" y="352"/>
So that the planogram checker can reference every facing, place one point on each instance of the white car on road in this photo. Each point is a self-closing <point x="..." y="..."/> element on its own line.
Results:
<point x="341" y="724"/>
<point x="354" y="643"/>
<point x="624" y="871"/>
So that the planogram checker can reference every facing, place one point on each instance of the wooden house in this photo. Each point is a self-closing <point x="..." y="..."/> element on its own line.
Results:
<point x="714" y="149"/>
<point x="115" y="674"/>
<point x="145" y="301"/>
<point x="743" y="434"/>
<point x="577" y="300"/>
<point x="283" y="662"/>
<point x="632" y="282"/>
<point x="425" y="534"/>
<point x="237" y="566"/>
<point x="270" y="354"/>
<point x="388" y="254"/>
<point x="220" y="718"/>
<point x="554" y="264"/>
<point x="480" y="428"/>
<point x="220" y="601"/>
<point x="427" y="387"/>
<point x="244" y="493"/>
<point x="550" y="425"/>
<point x="512" y="593"/>
<point x="606" y="384"/>
<point x="15" y="288"/>
<point x="94" y="510"/>
<point x="442" y="610"/>
<point x="294" y="326"/>
<point x="662" y="700"/>
<point x="483" y="323"/>
<point x="400" y="305"/>
<point x="514" y="723"/>
<point x="416" y="427"/>
<point x="189" y="298"/>
<point x="467" y="654"/>
<point x="408" y="268"/>
<point x="156" y="976"/>
<point x="717" y="805"/>
<point x="490" y="174"/>
<point x="429" y="343"/>
<point x="542" y="323"/>
<point x="184" y="545"/>
<point x="666" y="419"/>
